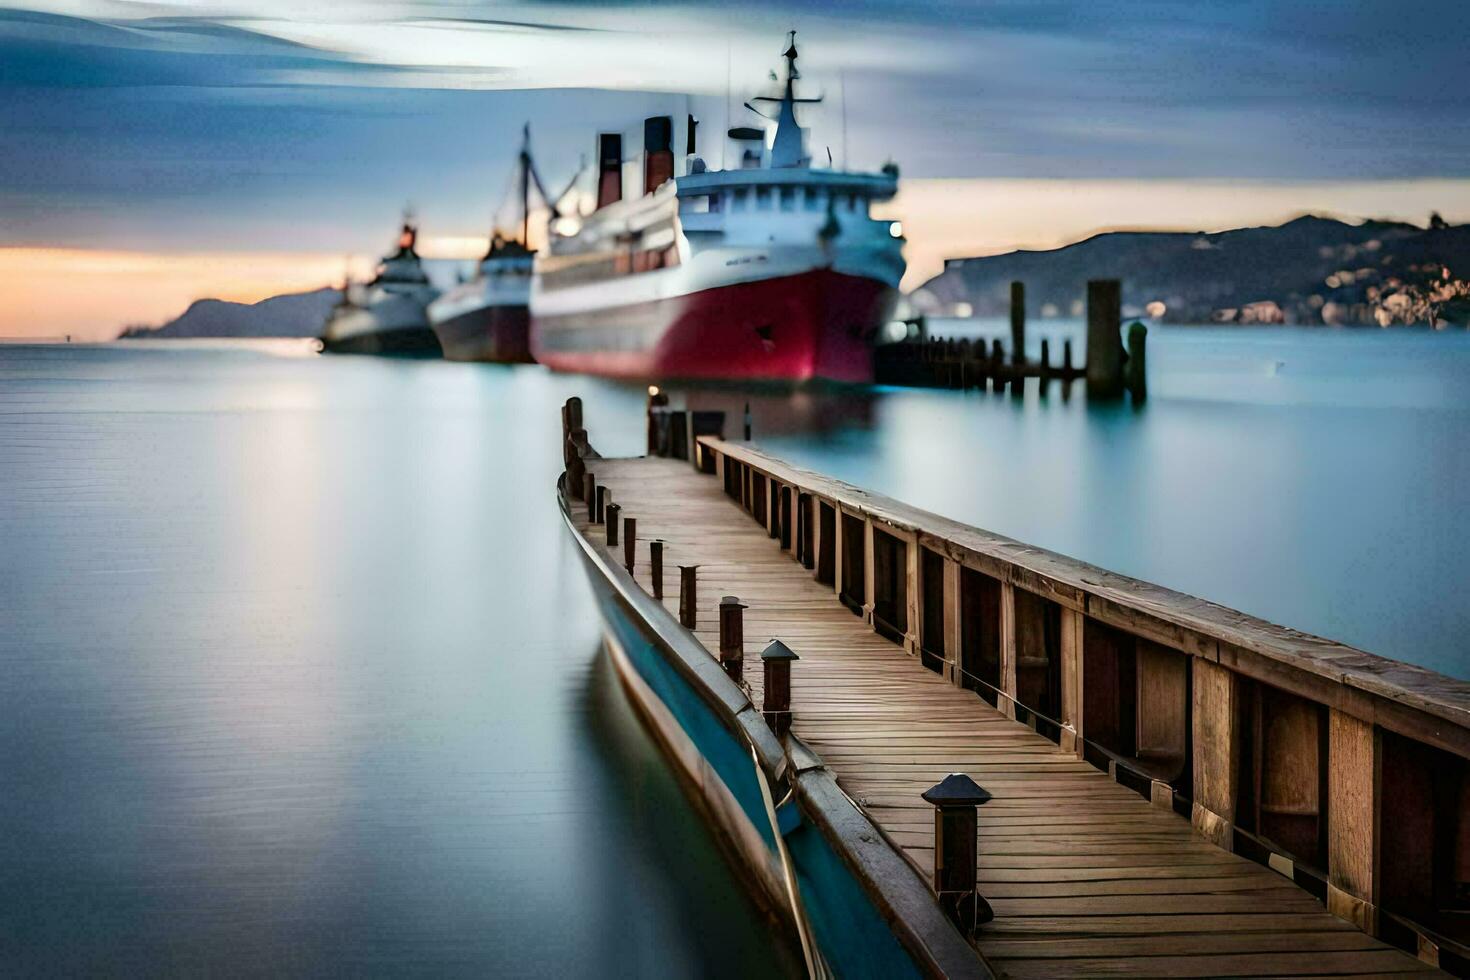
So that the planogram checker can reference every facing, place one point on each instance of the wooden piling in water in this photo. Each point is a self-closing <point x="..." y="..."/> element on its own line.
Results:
<point x="1104" y="340"/>
<point x="589" y="494"/>
<point x="1137" y="379"/>
<point x="1018" y="323"/>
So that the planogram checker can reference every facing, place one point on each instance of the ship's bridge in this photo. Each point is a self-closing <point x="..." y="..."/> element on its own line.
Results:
<point x="765" y="201"/>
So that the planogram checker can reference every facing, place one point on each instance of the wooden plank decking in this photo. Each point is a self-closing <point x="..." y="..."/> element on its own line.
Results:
<point x="1086" y="877"/>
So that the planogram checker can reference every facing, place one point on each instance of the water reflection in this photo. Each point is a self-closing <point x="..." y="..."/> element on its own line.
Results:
<point x="299" y="677"/>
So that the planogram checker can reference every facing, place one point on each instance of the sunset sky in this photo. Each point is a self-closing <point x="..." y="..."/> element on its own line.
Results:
<point x="154" y="152"/>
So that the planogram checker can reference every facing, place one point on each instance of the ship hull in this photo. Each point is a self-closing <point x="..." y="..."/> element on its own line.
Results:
<point x="498" y="334"/>
<point x="402" y="341"/>
<point x="818" y="323"/>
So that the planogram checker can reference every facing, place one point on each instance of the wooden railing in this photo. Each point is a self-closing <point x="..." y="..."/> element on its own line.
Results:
<point x="1343" y="770"/>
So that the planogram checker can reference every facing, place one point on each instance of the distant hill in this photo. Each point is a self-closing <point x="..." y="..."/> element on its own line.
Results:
<point x="1311" y="270"/>
<point x="290" y="315"/>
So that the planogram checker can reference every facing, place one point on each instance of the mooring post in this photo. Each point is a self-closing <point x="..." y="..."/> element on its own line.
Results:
<point x="656" y="567"/>
<point x="997" y="365"/>
<point x="602" y="500"/>
<point x="776" y="680"/>
<point x="956" y="827"/>
<point x="613" y="511"/>
<point x="576" y="465"/>
<point x="589" y="493"/>
<point x="688" y="601"/>
<point x="1104" y="339"/>
<point x="1018" y="323"/>
<point x="630" y="542"/>
<point x="1067" y="358"/>
<point x="732" y="637"/>
<point x="574" y="412"/>
<point x="1137" y="380"/>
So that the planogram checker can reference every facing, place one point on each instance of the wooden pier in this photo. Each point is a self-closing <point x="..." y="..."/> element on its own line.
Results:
<point x="1145" y="822"/>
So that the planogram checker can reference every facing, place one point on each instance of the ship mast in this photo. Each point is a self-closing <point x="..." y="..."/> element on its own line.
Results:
<point x="787" y="149"/>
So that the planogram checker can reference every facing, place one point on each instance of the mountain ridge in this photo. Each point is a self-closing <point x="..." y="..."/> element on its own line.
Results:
<point x="1309" y="270"/>
<point x="298" y="314"/>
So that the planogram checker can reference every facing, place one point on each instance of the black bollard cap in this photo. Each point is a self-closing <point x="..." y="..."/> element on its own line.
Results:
<point x="776" y="650"/>
<point x="956" y="789"/>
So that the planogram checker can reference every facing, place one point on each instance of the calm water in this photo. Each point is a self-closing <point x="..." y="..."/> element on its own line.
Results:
<point x="300" y="675"/>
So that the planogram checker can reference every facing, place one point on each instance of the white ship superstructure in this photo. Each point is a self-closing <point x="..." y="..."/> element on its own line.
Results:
<point x="386" y="315"/>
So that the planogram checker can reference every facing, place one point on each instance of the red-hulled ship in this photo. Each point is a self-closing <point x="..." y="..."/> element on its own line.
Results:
<point x="488" y="318"/>
<point x="774" y="270"/>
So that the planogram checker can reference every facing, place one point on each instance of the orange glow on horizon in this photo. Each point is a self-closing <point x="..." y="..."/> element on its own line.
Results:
<point x="93" y="294"/>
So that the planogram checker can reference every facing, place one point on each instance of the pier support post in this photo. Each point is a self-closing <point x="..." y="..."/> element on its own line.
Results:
<point x="1104" y="341"/>
<point x="1352" y="781"/>
<point x="601" y="512"/>
<point x="776" y="681"/>
<point x="630" y="542"/>
<point x="732" y="637"/>
<point x="953" y="642"/>
<point x="997" y="366"/>
<point x="589" y="493"/>
<point x="612" y="513"/>
<point x="656" y="567"/>
<point x="1217" y="751"/>
<point x="1018" y="323"/>
<point x="1007" y="704"/>
<point x="956" y="799"/>
<point x="1071" y="686"/>
<point x="688" y="601"/>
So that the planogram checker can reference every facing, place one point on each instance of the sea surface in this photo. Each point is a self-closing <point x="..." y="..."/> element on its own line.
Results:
<point x="299" y="672"/>
<point x="299" y="675"/>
